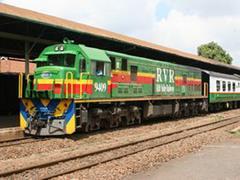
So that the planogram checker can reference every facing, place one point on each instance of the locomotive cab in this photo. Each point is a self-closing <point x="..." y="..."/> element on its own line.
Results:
<point x="55" y="71"/>
<point x="47" y="106"/>
<point x="65" y="72"/>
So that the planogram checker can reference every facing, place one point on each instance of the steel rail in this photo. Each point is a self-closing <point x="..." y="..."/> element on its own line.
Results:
<point x="19" y="141"/>
<point x="13" y="140"/>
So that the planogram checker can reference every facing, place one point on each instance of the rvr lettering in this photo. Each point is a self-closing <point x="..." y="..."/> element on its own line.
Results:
<point x="165" y="75"/>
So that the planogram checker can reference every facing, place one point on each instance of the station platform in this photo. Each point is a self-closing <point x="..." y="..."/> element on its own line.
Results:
<point x="10" y="133"/>
<point x="215" y="162"/>
<point x="9" y="121"/>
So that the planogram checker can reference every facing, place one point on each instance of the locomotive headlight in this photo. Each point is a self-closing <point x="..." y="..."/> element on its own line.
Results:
<point x="61" y="48"/>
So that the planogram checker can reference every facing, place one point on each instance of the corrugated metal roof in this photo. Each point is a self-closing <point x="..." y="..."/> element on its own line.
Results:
<point x="81" y="28"/>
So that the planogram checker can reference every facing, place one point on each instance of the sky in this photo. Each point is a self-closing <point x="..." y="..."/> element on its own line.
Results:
<point x="179" y="24"/>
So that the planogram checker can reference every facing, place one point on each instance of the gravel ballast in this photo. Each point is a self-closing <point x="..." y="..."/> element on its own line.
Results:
<point x="122" y="168"/>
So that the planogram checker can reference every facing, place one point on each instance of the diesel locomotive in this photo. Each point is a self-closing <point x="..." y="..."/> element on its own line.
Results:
<point x="76" y="87"/>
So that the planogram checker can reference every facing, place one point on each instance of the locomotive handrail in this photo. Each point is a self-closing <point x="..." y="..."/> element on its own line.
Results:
<point x="28" y="83"/>
<point x="20" y="85"/>
<point x="28" y="77"/>
<point x="205" y="89"/>
<point x="67" y="83"/>
<point x="81" y="83"/>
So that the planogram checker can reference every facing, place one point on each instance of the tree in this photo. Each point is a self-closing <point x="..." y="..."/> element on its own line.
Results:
<point x="213" y="51"/>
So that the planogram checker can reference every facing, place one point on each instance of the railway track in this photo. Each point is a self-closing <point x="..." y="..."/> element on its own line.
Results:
<point x="19" y="141"/>
<point x="87" y="159"/>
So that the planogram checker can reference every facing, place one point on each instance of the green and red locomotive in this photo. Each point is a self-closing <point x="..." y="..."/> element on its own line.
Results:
<point x="78" y="87"/>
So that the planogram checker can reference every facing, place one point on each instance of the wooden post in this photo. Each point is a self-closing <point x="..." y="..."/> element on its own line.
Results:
<point x="26" y="58"/>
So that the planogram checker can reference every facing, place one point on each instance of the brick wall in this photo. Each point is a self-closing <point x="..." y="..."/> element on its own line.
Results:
<point x="11" y="65"/>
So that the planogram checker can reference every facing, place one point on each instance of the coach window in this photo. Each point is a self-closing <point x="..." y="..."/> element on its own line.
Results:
<point x="218" y="85"/>
<point x="234" y="87"/>
<point x="124" y="64"/>
<point x="224" y="86"/>
<point x="229" y="86"/>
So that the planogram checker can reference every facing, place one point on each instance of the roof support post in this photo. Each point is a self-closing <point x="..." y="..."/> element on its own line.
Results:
<point x="26" y="58"/>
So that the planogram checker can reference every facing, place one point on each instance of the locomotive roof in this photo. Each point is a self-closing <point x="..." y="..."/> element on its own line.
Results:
<point x="111" y="53"/>
<point x="94" y="54"/>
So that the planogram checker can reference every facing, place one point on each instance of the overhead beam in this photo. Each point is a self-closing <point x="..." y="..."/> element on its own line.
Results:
<point x="12" y="53"/>
<point x="26" y="38"/>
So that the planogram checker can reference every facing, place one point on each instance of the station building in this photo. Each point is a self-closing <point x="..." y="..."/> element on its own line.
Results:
<point x="24" y="34"/>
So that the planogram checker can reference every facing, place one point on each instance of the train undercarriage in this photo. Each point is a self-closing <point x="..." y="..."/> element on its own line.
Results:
<point x="60" y="117"/>
<point x="90" y="117"/>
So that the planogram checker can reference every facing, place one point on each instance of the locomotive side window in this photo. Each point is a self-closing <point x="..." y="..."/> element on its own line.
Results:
<point x="229" y="86"/>
<point x="83" y="65"/>
<point x="99" y="68"/>
<point x="133" y="73"/>
<point x="234" y="86"/>
<point x="124" y="64"/>
<point x="218" y="84"/>
<point x="224" y="86"/>
<point x="184" y="79"/>
<point x="113" y="62"/>
<point x="107" y="69"/>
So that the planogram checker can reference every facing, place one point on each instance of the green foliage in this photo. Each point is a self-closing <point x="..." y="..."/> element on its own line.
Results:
<point x="213" y="51"/>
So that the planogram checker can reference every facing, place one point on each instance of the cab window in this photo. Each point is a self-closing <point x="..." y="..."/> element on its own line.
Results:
<point x="69" y="60"/>
<point x="99" y="68"/>
<point x="66" y="60"/>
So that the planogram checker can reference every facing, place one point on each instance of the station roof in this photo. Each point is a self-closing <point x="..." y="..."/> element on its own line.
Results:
<point x="19" y="25"/>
